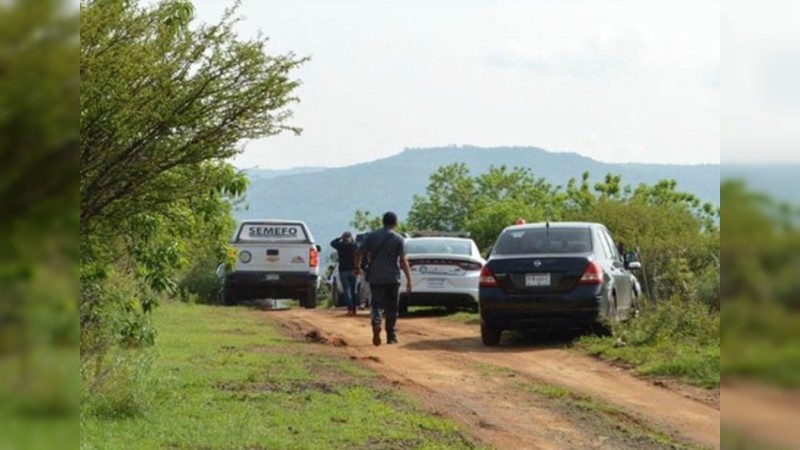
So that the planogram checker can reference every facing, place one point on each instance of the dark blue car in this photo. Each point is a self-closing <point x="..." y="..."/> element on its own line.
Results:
<point x="563" y="274"/>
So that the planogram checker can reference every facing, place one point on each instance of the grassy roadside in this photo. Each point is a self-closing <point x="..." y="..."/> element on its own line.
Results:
<point x="674" y="339"/>
<point x="223" y="378"/>
<point x="587" y="412"/>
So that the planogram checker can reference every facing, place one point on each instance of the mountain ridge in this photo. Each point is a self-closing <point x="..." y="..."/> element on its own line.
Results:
<point x="327" y="199"/>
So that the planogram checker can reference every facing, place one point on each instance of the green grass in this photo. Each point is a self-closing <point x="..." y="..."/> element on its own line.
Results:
<point x="674" y="339"/>
<point x="39" y="399"/>
<point x="224" y="378"/>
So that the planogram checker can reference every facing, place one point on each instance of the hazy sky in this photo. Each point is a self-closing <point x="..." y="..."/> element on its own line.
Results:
<point x="614" y="80"/>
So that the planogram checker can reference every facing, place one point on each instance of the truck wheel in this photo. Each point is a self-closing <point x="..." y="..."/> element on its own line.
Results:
<point x="490" y="335"/>
<point x="310" y="300"/>
<point x="229" y="295"/>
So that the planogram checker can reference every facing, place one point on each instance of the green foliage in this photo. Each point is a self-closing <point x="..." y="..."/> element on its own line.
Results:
<point x="675" y="234"/>
<point x="482" y="205"/>
<point x="760" y="287"/>
<point x="674" y="338"/>
<point x="39" y="92"/>
<point x="364" y="221"/>
<point x="122" y="388"/>
<point x="227" y="379"/>
<point x="164" y="102"/>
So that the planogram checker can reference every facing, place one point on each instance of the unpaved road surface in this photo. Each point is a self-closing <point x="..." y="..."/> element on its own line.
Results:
<point x="762" y="414"/>
<point x="487" y="390"/>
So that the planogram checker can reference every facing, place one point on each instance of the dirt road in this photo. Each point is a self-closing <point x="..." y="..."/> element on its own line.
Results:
<point x="519" y="395"/>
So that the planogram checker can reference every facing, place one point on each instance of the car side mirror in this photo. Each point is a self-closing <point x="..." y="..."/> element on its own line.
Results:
<point x="632" y="260"/>
<point x="318" y="247"/>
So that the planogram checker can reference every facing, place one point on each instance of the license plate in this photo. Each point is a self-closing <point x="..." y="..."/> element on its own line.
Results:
<point x="537" y="279"/>
<point x="435" y="283"/>
<point x="272" y="277"/>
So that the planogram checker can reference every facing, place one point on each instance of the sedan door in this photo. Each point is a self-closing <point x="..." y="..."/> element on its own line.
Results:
<point x="622" y="278"/>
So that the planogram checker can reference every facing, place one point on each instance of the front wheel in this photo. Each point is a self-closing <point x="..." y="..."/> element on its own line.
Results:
<point x="490" y="335"/>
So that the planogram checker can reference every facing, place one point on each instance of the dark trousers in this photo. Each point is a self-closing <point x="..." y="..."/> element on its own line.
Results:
<point x="348" y="278"/>
<point x="385" y="301"/>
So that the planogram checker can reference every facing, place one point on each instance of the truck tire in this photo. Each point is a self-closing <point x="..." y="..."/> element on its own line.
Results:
<point x="490" y="335"/>
<point x="310" y="300"/>
<point x="229" y="295"/>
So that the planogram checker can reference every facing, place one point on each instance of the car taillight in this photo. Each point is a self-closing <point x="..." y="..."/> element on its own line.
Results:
<point x="592" y="275"/>
<point x="313" y="257"/>
<point x="469" y="266"/>
<point x="487" y="278"/>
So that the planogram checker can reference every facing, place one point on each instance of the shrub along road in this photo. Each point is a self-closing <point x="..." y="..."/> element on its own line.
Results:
<point x="519" y="395"/>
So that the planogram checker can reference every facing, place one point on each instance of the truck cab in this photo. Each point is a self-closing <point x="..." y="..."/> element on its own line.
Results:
<point x="274" y="259"/>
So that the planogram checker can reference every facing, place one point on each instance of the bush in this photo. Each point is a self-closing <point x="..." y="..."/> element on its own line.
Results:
<point x="121" y="387"/>
<point x="201" y="283"/>
<point x="674" y="338"/>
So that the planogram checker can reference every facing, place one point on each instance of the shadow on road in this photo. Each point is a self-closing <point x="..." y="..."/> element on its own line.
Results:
<point x="513" y="341"/>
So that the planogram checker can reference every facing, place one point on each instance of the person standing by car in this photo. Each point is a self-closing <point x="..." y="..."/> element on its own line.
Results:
<point x="386" y="253"/>
<point x="346" y="249"/>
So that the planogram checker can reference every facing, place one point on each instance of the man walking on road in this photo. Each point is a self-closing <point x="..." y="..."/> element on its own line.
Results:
<point x="386" y="253"/>
<point x="346" y="249"/>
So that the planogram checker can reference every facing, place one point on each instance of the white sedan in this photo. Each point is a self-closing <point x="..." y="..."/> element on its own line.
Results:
<point x="445" y="271"/>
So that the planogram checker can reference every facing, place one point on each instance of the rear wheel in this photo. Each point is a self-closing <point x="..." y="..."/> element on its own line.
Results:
<point x="310" y="300"/>
<point x="490" y="335"/>
<point x="229" y="295"/>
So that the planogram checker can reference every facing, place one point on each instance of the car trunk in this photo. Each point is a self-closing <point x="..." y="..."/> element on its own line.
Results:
<point x="443" y="264"/>
<point x="539" y="274"/>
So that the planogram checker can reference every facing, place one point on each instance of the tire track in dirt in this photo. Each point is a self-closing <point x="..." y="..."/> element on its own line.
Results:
<point x="440" y="362"/>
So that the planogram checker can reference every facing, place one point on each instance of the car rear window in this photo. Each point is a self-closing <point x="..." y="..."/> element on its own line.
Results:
<point x="554" y="240"/>
<point x="271" y="232"/>
<point x="438" y="246"/>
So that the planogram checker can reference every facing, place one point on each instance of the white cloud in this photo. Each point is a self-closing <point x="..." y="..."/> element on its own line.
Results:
<point x="603" y="53"/>
<point x="638" y="75"/>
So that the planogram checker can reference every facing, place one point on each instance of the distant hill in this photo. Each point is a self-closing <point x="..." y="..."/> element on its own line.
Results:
<point x="266" y="174"/>
<point x="778" y="181"/>
<point x="326" y="199"/>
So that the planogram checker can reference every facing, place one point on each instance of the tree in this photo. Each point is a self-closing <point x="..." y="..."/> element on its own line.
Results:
<point x="482" y="204"/>
<point x="448" y="200"/>
<point x="165" y="101"/>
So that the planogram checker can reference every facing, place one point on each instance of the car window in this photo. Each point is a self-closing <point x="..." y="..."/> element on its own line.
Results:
<point x="603" y="244"/>
<point x="544" y="240"/>
<point x="438" y="246"/>
<point x="611" y="245"/>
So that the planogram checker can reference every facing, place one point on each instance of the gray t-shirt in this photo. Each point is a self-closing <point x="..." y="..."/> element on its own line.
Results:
<point x="383" y="267"/>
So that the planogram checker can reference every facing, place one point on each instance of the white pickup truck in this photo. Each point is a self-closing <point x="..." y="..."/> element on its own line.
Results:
<point x="274" y="259"/>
